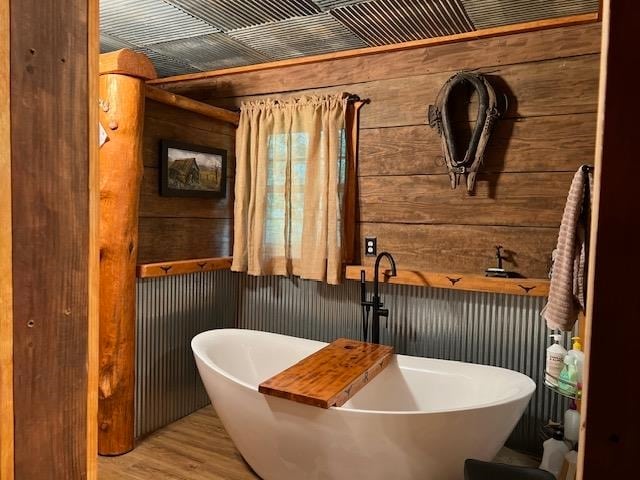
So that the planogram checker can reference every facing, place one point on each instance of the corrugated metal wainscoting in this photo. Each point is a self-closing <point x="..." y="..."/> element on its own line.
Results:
<point x="170" y="312"/>
<point x="491" y="329"/>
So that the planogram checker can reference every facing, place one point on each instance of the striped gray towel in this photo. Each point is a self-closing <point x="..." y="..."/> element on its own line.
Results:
<point x="567" y="291"/>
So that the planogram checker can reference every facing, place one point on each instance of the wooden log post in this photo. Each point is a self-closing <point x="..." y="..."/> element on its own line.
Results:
<point x="122" y="96"/>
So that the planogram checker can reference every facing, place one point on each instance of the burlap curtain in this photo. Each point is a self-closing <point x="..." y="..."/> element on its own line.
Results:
<point x="291" y="170"/>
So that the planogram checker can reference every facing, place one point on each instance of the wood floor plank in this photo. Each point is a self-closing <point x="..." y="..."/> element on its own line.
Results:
<point x="194" y="448"/>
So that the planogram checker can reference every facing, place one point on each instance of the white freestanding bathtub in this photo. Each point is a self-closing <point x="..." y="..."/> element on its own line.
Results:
<point x="418" y="419"/>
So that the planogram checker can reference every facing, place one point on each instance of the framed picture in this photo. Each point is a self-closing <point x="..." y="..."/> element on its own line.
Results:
<point x="192" y="170"/>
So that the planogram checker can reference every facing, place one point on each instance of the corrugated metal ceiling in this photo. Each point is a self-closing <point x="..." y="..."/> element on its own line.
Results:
<point x="184" y="36"/>
<point x="493" y="13"/>
<point x="233" y="14"/>
<point x="209" y="52"/>
<point x="396" y="21"/>
<point x="299" y="36"/>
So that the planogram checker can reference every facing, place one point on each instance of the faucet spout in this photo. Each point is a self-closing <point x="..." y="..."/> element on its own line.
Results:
<point x="376" y="303"/>
<point x="376" y="280"/>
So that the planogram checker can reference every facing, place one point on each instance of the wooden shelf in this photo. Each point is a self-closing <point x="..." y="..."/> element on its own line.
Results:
<point x="330" y="376"/>
<point x="181" y="267"/>
<point x="533" y="287"/>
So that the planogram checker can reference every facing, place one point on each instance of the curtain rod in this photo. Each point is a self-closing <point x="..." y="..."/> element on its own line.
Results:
<point x="351" y="97"/>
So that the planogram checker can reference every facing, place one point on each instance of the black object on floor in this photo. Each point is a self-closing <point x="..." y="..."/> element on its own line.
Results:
<point x="477" y="470"/>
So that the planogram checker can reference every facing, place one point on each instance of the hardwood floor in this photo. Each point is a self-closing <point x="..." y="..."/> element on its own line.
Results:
<point x="197" y="447"/>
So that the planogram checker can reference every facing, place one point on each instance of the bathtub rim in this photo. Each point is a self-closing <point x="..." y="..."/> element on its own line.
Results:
<point x="520" y="395"/>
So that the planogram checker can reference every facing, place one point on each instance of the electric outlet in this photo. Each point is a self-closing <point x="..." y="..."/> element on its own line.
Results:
<point x="370" y="246"/>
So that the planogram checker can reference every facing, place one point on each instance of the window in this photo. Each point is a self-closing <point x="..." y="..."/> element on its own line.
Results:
<point x="291" y="187"/>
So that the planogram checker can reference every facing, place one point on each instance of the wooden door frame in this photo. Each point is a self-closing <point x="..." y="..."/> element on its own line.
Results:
<point x="93" y="325"/>
<point x="6" y="281"/>
<point x="605" y="441"/>
<point x="7" y="248"/>
<point x="609" y="437"/>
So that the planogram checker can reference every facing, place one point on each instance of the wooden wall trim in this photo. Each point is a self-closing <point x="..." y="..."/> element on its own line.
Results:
<point x="6" y="280"/>
<point x="181" y="267"/>
<point x="609" y="440"/>
<point x="93" y="326"/>
<point x="485" y="33"/>
<point x="532" y="287"/>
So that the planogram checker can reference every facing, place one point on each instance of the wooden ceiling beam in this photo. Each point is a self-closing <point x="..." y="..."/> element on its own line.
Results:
<point x="185" y="103"/>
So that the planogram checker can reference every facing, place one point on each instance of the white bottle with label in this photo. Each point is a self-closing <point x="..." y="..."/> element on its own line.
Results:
<point x="555" y="361"/>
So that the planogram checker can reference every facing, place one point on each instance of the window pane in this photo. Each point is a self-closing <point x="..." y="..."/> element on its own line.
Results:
<point x="287" y="170"/>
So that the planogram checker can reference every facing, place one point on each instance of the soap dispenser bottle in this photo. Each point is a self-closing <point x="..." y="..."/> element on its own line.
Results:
<point x="577" y="353"/>
<point x="555" y="361"/>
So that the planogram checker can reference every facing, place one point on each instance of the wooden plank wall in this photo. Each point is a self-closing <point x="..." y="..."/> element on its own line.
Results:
<point x="178" y="228"/>
<point x="551" y="79"/>
<point x="50" y="221"/>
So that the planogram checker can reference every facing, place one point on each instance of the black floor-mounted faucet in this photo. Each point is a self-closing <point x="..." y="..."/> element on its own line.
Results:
<point x="375" y="304"/>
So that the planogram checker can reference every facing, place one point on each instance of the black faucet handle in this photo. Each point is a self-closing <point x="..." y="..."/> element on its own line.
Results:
<point x="383" y="312"/>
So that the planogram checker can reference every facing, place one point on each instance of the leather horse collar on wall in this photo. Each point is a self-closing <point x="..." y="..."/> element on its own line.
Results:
<point x="440" y="118"/>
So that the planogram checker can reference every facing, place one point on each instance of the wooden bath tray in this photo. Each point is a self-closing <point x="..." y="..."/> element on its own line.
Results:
<point x="332" y="375"/>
